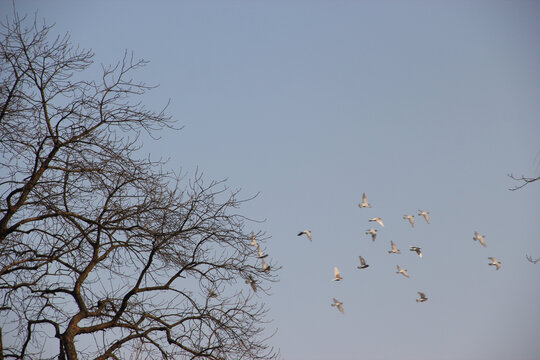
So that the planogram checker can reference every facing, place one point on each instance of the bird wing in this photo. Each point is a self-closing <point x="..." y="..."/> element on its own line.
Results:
<point x="393" y="245"/>
<point x="309" y="235"/>
<point x="379" y="220"/>
<point x="253" y="240"/>
<point x="364" y="198"/>
<point x="336" y="272"/>
<point x="422" y="295"/>
<point x="362" y="261"/>
<point x="482" y="241"/>
<point x="340" y="308"/>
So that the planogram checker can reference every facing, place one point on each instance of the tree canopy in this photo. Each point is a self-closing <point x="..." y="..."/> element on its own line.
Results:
<point x="103" y="253"/>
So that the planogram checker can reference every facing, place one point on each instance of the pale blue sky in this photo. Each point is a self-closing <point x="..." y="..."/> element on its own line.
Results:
<point x="420" y="104"/>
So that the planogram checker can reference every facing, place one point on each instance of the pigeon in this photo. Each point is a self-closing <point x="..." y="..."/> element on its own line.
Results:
<point x="363" y="264"/>
<point x="377" y="219"/>
<point x="394" y="250"/>
<point x="425" y="214"/>
<point x="495" y="262"/>
<point x="364" y="203"/>
<point x="253" y="240"/>
<point x="265" y="266"/>
<point x="422" y="297"/>
<point x="211" y="294"/>
<point x="338" y="304"/>
<point x="261" y="254"/>
<point x="307" y="232"/>
<point x="480" y="238"/>
<point x="417" y="249"/>
<point x="402" y="271"/>
<point x="372" y="232"/>
<point x="337" y="275"/>
<point x="410" y="218"/>
<point x="251" y="282"/>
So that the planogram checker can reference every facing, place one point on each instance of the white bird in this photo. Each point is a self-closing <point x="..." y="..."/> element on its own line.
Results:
<point x="425" y="214"/>
<point x="253" y="240"/>
<point x="402" y="271"/>
<point x="422" y="297"/>
<point x="364" y="202"/>
<point x="377" y="219"/>
<point x="495" y="262"/>
<point x="363" y="264"/>
<point x="307" y="232"/>
<point x="373" y="233"/>
<point x="410" y="218"/>
<point x="394" y="250"/>
<point x="417" y="249"/>
<point x="265" y="266"/>
<point x="261" y="254"/>
<point x="338" y="304"/>
<point x="251" y="282"/>
<point x="480" y="238"/>
<point x="337" y="275"/>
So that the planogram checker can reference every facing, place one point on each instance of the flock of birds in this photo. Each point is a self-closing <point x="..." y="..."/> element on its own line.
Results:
<point x="363" y="265"/>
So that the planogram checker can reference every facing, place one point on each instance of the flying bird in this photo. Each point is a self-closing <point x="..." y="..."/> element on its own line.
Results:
<point x="364" y="202"/>
<point x="251" y="282"/>
<point x="363" y="264"/>
<point x="337" y="275"/>
<point x="338" y="304"/>
<point x="307" y="232"/>
<point x="211" y="294"/>
<point x="402" y="271"/>
<point x="394" y="250"/>
<point x="480" y="238"/>
<point x="417" y="249"/>
<point x="410" y="218"/>
<point x="261" y="254"/>
<point x="253" y="240"/>
<point x="425" y="214"/>
<point x="265" y="266"/>
<point x="495" y="262"/>
<point x="377" y="219"/>
<point x="422" y="297"/>
<point x="373" y="233"/>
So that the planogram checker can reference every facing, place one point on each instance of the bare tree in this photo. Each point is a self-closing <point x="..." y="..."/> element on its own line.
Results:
<point x="104" y="254"/>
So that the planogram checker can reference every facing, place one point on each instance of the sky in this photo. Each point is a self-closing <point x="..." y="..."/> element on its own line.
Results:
<point x="419" y="104"/>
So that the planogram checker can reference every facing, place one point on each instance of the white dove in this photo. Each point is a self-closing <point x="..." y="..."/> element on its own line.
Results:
<point x="337" y="275"/>
<point x="425" y="214"/>
<point x="480" y="238"/>
<point x="495" y="262"/>
<point x="410" y="218"/>
<point x="364" y="202"/>
<point x="338" y="304"/>
<point x="307" y="232"/>
<point x="394" y="250"/>
<point x="402" y="271"/>
<point x="378" y="220"/>
<point x="373" y="233"/>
